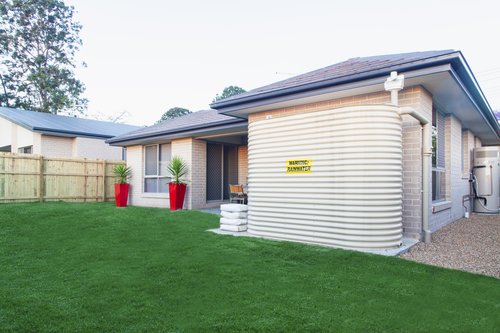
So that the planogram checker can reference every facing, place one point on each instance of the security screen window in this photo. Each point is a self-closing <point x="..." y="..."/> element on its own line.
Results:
<point x="438" y="157"/>
<point x="156" y="159"/>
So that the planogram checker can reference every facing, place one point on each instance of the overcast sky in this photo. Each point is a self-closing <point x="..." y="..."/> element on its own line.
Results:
<point x="147" y="56"/>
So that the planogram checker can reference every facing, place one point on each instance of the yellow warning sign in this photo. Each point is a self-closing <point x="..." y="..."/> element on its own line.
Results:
<point x="298" y="166"/>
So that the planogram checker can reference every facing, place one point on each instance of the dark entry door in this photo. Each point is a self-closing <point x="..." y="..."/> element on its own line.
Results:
<point x="230" y="173"/>
<point x="214" y="167"/>
<point x="222" y="170"/>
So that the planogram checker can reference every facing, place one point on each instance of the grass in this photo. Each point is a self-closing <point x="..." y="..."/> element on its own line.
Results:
<point x="93" y="267"/>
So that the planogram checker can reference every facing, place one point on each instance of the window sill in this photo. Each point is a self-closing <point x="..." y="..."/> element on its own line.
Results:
<point x="155" y="195"/>
<point x="440" y="206"/>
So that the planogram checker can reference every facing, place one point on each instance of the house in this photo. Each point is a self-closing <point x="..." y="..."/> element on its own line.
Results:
<point x="52" y="135"/>
<point x="358" y="154"/>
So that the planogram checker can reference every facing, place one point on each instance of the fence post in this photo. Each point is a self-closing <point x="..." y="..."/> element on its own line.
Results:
<point x="103" y="180"/>
<point x="40" y="179"/>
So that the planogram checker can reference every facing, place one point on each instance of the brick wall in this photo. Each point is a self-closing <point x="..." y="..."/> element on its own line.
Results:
<point x="199" y="174"/>
<point x="456" y="179"/>
<point x="468" y="147"/>
<point x="95" y="148"/>
<point x="242" y="165"/>
<point x="56" y="146"/>
<point x="421" y="100"/>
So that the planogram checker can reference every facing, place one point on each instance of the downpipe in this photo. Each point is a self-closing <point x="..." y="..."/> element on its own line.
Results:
<point x="394" y="84"/>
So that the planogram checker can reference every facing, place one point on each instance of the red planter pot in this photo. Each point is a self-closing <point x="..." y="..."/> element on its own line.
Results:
<point x="177" y="193"/>
<point x="121" y="194"/>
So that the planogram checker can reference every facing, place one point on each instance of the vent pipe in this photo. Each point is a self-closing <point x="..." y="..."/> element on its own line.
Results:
<point x="394" y="84"/>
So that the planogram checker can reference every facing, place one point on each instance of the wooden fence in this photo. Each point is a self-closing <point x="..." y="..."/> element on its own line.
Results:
<point x="25" y="177"/>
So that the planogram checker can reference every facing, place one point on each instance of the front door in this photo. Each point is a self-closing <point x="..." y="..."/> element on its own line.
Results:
<point x="222" y="170"/>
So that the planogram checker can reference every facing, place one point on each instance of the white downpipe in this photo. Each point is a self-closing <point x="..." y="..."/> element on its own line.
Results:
<point x="394" y="84"/>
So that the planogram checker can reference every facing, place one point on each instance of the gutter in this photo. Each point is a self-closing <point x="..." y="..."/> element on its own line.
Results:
<point x="69" y="133"/>
<point x="185" y="132"/>
<point x="462" y="86"/>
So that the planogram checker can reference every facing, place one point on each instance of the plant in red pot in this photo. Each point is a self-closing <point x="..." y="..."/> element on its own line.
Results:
<point x="122" y="174"/>
<point x="178" y="169"/>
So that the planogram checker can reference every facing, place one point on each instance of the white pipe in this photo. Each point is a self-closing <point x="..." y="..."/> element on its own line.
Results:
<point x="394" y="84"/>
<point x="394" y="97"/>
<point x="426" y="172"/>
<point x="426" y="166"/>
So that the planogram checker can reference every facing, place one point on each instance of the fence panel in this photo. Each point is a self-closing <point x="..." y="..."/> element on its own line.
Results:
<point x="26" y="177"/>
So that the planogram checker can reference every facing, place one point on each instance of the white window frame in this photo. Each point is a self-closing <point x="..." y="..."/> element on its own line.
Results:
<point x="158" y="175"/>
<point x="438" y="171"/>
<point x="25" y="150"/>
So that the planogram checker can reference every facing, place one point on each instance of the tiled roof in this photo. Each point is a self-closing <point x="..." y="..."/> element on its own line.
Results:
<point x="345" y="69"/>
<point x="198" y="119"/>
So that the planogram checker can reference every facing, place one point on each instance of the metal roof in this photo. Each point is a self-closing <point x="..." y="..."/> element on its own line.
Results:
<point x="344" y="71"/>
<point x="196" y="120"/>
<point x="48" y="123"/>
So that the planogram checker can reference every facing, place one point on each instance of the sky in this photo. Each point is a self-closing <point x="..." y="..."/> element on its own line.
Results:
<point x="144" y="57"/>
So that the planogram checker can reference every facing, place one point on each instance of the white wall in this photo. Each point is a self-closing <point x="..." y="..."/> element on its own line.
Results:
<point x="25" y="138"/>
<point x="5" y="132"/>
<point x="95" y="148"/>
<point x="15" y="136"/>
<point x="55" y="146"/>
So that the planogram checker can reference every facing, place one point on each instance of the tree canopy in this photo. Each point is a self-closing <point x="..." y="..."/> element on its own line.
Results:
<point x="228" y="92"/>
<point x="173" y="113"/>
<point x="38" y="42"/>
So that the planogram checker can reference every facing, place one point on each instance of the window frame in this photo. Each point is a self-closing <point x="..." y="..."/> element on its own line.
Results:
<point x="158" y="174"/>
<point x="25" y="150"/>
<point x="438" y="175"/>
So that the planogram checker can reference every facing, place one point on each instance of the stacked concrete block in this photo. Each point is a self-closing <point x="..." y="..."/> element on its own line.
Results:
<point x="233" y="217"/>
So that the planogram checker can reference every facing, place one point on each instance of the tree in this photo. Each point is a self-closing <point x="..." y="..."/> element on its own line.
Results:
<point x="174" y="113"/>
<point x="38" y="42"/>
<point x="228" y="92"/>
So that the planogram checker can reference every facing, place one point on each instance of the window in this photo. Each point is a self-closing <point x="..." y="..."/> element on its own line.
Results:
<point x="438" y="158"/>
<point x="465" y="158"/>
<point x="25" y="150"/>
<point x="156" y="158"/>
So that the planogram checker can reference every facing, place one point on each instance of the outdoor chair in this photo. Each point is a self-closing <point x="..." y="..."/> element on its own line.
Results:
<point x="237" y="194"/>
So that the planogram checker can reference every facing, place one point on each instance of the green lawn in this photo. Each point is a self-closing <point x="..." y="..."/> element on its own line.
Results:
<point x="92" y="267"/>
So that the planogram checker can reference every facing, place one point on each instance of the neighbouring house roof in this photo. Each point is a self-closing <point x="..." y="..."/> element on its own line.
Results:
<point x="57" y="125"/>
<point x="203" y="120"/>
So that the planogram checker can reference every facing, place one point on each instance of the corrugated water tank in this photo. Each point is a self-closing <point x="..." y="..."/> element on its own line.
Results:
<point x="328" y="177"/>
